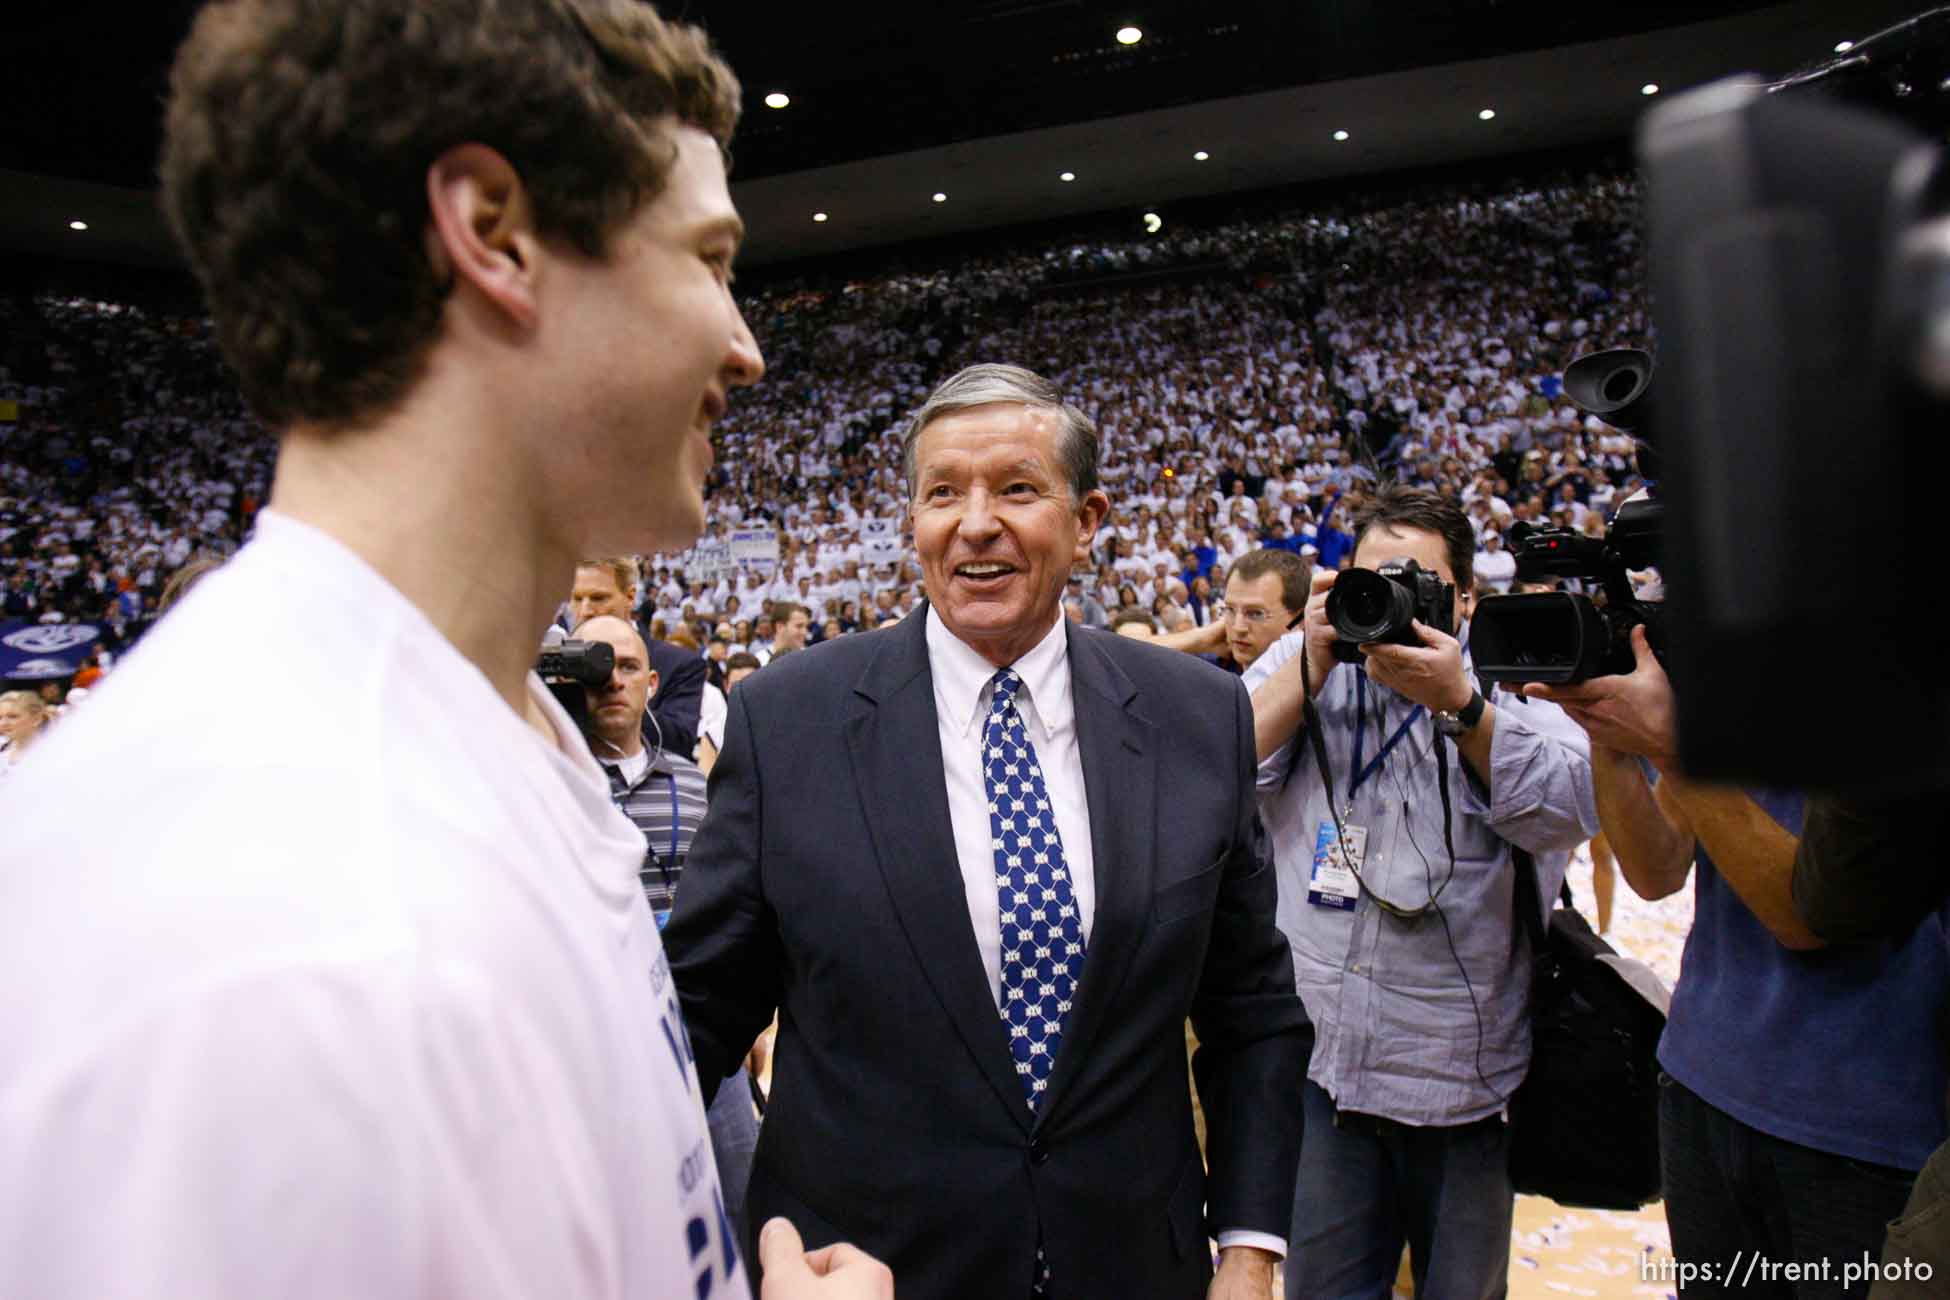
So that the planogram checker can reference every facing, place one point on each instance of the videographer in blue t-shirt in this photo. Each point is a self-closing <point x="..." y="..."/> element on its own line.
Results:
<point x="1803" y="1084"/>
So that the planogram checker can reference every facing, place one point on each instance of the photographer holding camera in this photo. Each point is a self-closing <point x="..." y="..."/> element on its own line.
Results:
<point x="1803" y="1085"/>
<point x="1398" y="897"/>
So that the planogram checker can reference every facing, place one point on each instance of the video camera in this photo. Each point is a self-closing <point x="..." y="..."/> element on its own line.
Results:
<point x="1377" y="605"/>
<point x="1799" y="241"/>
<point x="568" y="668"/>
<point x="1562" y="636"/>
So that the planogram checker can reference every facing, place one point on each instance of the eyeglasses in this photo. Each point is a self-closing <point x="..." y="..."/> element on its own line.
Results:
<point x="1224" y="612"/>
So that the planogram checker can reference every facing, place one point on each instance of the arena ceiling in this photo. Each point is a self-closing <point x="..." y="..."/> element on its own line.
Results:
<point x="990" y="102"/>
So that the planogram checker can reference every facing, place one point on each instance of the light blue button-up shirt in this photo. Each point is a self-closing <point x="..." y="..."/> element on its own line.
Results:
<point x="1421" y="1021"/>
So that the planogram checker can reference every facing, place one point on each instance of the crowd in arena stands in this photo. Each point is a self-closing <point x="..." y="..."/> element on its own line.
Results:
<point x="1251" y="401"/>
<point x="129" y="451"/>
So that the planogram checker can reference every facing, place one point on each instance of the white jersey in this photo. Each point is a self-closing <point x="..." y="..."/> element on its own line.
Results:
<point x="321" y="974"/>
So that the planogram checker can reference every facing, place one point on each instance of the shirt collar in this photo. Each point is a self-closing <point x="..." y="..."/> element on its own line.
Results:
<point x="961" y="678"/>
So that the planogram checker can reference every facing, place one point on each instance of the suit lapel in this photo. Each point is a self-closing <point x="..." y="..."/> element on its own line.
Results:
<point x="896" y="752"/>
<point x="1119" y="753"/>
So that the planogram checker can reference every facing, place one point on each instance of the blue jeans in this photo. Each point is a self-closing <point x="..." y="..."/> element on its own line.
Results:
<point x="733" y="1123"/>
<point x="1734" y="1191"/>
<point x="1368" y="1186"/>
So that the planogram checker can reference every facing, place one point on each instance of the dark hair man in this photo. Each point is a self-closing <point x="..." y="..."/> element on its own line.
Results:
<point x="790" y="621"/>
<point x="993" y="1058"/>
<point x="1264" y="590"/>
<point x="381" y="1012"/>
<point x="1415" y="971"/>
<point x="738" y="667"/>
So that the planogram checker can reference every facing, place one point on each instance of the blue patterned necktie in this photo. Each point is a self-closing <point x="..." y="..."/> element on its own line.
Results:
<point x="1042" y="932"/>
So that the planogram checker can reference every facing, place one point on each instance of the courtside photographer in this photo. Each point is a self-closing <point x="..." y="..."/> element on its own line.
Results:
<point x="1402" y="804"/>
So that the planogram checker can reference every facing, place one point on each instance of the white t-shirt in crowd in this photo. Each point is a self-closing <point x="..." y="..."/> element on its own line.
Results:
<point x="1497" y="569"/>
<point x="712" y="711"/>
<point x="352" y="993"/>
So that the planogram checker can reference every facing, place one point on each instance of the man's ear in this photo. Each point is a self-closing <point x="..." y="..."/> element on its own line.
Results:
<point x="481" y="229"/>
<point x="655" y="681"/>
<point x="1091" y="512"/>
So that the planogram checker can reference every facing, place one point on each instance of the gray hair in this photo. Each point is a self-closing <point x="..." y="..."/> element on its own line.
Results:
<point x="990" y="382"/>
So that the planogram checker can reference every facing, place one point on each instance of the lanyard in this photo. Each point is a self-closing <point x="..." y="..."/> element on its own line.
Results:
<point x="1361" y="773"/>
<point x="619" y="798"/>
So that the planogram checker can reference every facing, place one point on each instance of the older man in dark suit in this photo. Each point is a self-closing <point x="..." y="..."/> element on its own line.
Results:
<point x="983" y="864"/>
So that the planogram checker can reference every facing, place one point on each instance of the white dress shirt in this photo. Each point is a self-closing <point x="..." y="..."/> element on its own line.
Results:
<point x="962" y="693"/>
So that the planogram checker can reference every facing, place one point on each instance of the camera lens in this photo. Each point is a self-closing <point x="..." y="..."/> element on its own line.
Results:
<point x="1364" y="606"/>
<point x="1367" y="608"/>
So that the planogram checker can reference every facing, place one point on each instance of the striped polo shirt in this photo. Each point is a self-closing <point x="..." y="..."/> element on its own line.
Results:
<point x="666" y="801"/>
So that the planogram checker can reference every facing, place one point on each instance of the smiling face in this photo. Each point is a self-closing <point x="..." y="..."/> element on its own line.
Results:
<point x="648" y="343"/>
<point x="997" y="526"/>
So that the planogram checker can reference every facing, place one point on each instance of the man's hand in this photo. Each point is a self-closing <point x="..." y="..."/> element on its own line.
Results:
<point x="1245" y="1273"/>
<point x="1632" y="713"/>
<point x="760" y="1053"/>
<point x="1320" y="632"/>
<point x="1431" y="674"/>
<point x="837" y="1272"/>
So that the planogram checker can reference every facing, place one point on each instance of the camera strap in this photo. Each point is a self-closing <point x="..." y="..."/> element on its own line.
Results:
<point x="1361" y="773"/>
<point x="1310" y="723"/>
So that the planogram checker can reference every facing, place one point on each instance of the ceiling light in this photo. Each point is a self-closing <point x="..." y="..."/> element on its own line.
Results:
<point x="1843" y="47"/>
<point x="1340" y="135"/>
<point x="1200" y="156"/>
<point x="1649" y="88"/>
<point x="1067" y="176"/>
<point x="1153" y="223"/>
<point x="1487" y="114"/>
<point x="77" y="225"/>
<point x="1129" y="36"/>
<point x="939" y="197"/>
<point x="777" y="99"/>
<point x="819" y="216"/>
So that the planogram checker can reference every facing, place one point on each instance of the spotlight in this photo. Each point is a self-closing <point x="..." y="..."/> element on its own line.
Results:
<point x="819" y="216"/>
<point x="777" y="99"/>
<point x="939" y="197"/>
<point x="1487" y="114"/>
<point x="1067" y="176"/>
<point x="1843" y="47"/>
<point x="1153" y="223"/>
<point x="1649" y="88"/>
<point x="1200" y="156"/>
<point x="1129" y="36"/>
<point x="77" y="225"/>
<point x="1340" y="135"/>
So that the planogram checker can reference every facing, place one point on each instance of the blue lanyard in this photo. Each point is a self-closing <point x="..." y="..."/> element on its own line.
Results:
<point x="650" y="850"/>
<point x="1361" y="773"/>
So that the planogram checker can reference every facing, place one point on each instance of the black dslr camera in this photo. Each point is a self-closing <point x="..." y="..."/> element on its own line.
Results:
<point x="1561" y="636"/>
<point x="568" y="668"/>
<point x="1377" y="605"/>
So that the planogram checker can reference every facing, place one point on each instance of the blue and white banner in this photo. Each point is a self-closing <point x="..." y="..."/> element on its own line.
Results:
<point x="42" y="652"/>
<point x="755" y="549"/>
<point x="880" y="541"/>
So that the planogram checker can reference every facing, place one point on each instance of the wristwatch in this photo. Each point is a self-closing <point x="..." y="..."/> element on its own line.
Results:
<point x="1454" y="724"/>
